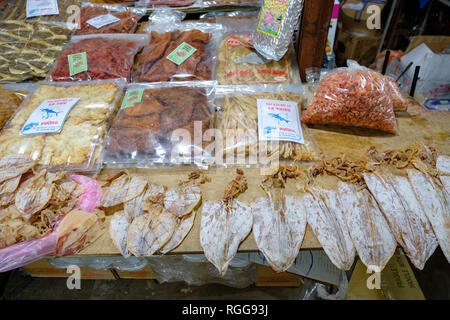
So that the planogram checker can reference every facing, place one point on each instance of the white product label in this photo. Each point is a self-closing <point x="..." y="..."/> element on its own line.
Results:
<point x="103" y="20"/>
<point x="354" y="6"/>
<point x="49" y="117"/>
<point x="279" y="121"/>
<point x="41" y="8"/>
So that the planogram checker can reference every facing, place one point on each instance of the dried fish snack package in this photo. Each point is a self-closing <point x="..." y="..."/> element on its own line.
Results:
<point x="260" y="124"/>
<point x="98" y="18"/>
<point x="62" y="126"/>
<point x="62" y="11"/>
<point x="163" y="124"/>
<point x="277" y="21"/>
<point x="178" y="51"/>
<point x="10" y="100"/>
<point x="353" y="96"/>
<point x="28" y="50"/>
<point x="98" y="57"/>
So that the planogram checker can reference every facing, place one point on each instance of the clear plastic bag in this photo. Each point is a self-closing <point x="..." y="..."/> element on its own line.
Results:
<point x="166" y="3"/>
<point x="238" y="116"/>
<point x="67" y="149"/>
<point x="10" y="100"/>
<point x="399" y="102"/>
<point x="353" y="96"/>
<point x="178" y="51"/>
<point x="29" y="49"/>
<point x="100" y="263"/>
<point x="234" y="3"/>
<point x="108" y="56"/>
<point x="128" y="19"/>
<point x="277" y="21"/>
<point x="147" y="133"/>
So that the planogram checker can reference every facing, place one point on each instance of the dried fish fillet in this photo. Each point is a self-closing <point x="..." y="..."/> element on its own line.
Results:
<point x="279" y="228"/>
<point x="222" y="229"/>
<point x="443" y="164"/>
<point x="13" y="166"/>
<point x="182" y="228"/>
<point x="405" y="215"/>
<point x="436" y="203"/>
<point x="368" y="228"/>
<point x="10" y="185"/>
<point x="33" y="195"/>
<point x="118" y="231"/>
<point x="181" y="200"/>
<point x="123" y="189"/>
<point x="326" y="218"/>
<point x="149" y="232"/>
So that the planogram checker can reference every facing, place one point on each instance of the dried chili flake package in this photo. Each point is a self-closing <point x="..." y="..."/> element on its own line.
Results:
<point x="353" y="97"/>
<point x="162" y="124"/>
<point x="98" y="57"/>
<point x="108" y="19"/>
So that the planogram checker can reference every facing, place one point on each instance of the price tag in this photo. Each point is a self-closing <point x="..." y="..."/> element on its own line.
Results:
<point x="181" y="53"/>
<point x="132" y="97"/>
<point x="37" y="8"/>
<point x="103" y="20"/>
<point x="77" y="63"/>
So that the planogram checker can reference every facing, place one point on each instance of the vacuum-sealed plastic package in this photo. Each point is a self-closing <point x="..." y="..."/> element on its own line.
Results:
<point x="277" y="21"/>
<point x="62" y="126"/>
<point x="178" y="51"/>
<point x="98" y="57"/>
<point x="10" y="100"/>
<point x="166" y="3"/>
<point x="108" y="19"/>
<point x="353" y="96"/>
<point x="250" y="115"/>
<point x="162" y="124"/>
<point x="66" y="9"/>
<point x="29" y="49"/>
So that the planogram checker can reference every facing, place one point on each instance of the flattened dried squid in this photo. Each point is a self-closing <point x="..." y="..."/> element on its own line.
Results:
<point x="123" y="189"/>
<point x="181" y="200"/>
<point x="118" y="231"/>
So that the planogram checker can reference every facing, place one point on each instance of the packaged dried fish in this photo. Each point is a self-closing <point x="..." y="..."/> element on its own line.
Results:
<point x="367" y="226"/>
<point x="405" y="215"/>
<point x="326" y="217"/>
<point x="17" y="10"/>
<point x="238" y="121"/>
<point x="98" y="57"/>
<point x="353" y="96"/>
<point x="277" y="21"/>
<point x="71" y="109"/>
<point x="162" y="124"/>
<point x="108" y="19"/>
<point x="10" y="100"/>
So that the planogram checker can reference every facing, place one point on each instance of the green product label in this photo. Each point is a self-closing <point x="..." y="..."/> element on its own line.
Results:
<point x="132" y="97"/>
<point x="77" y="63"/>
<point x="272" y="17"/>
<point x="181" y="53"/>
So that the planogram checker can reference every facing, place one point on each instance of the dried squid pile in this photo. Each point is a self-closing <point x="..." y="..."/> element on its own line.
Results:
<point x="154" y="220"/>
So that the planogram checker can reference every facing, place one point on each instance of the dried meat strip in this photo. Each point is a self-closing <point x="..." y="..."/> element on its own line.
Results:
<point x="326" y="218"/>
<point x="367" y="226"/>
<point x="279" y="228"/>
<point x="436" y="204"/>
<point x="223" y="228"/>
<point x="405" y="215"/>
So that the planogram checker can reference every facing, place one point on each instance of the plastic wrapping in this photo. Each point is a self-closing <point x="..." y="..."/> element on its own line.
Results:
<point x="166" y="3"/>
<point x="238" y="3"/>
<point x="353" y="96"/>
<point x="28" y="50"/>
<point x="10" y="100"/>
<point x="178" y="51"/>
<point x="277" y="21"/>
<point x="145" y="134"/>
<point x="238" y="114"/>
<point x="16" y="10"/>
<point x="108" y="56"/>
<point x="128" y="19"/>
<point x="67" y="149"/>
<point x="197" y="270"/>
<point x="33" y="246"/>
<point x="100" y="263"/>
<point x="399" y="102"/>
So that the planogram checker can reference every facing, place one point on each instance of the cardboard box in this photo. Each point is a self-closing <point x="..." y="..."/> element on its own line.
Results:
<point x="354" y="16"/>
<point x="436" y="43"/>
<point x="397" y="282"/>
<point x="362" y="49"/>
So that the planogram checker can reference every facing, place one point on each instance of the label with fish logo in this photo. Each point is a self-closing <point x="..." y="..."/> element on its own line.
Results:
<point x="132" y="97"/>
<point x="279" y="121"/>
<point x="77" y="63"/>
<point x="272" y="17"/>
<point x="181" y="53"/>
<point x="37" y="8"/>
<point x="49" y="116"/>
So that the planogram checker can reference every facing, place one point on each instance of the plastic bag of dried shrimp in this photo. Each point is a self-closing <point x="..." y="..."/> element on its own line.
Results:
<point x="353" y="96"/>
<point x="259" y="125"/>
